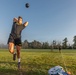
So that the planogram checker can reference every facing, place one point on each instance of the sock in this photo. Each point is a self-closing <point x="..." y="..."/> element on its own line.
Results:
<point x="18" y="59"/>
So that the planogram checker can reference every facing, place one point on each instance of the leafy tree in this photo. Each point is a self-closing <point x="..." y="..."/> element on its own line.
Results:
<point x="45" y="45"/>
<point x="36" y="44"/>
<point x="25" y="44"/>
<point x="54" y="44"/>
<point x="74" y="40"/>
<point x="64" y="44"/>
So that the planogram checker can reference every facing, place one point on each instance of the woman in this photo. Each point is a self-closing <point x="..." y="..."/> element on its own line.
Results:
<point x="15" y="38"/>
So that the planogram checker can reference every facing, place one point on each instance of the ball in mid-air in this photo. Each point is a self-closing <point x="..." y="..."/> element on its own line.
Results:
<point x="27" y="5"/>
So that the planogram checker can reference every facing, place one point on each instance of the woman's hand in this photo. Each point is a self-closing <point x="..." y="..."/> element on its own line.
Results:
<point x="26" y="23"/>
<point x="15" y="20"/>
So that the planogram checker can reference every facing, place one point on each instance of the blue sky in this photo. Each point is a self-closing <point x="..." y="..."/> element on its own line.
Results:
<point x="48" y="19"/>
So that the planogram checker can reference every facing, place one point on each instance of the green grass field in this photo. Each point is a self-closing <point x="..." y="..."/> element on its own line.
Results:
<point x="37" y="62"/>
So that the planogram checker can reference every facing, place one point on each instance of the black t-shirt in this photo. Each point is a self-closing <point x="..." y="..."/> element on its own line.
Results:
<point x="16" y="30"/>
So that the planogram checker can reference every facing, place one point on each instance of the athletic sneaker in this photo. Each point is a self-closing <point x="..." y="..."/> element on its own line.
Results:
<point x="14" y="56"/>
<point x="19" y="66"/>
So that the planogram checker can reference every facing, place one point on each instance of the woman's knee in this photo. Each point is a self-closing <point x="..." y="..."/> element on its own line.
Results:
<point x="11" y="51"/>
<point x="11" y="48"/>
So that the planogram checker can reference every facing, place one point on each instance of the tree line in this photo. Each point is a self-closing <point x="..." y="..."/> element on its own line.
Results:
<point x="45" y="45"/>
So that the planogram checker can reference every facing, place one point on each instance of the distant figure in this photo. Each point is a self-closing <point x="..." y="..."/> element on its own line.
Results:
<point x="15" y="38"/>
<point x="51" y="48"/>
<point x="60" y="49"/>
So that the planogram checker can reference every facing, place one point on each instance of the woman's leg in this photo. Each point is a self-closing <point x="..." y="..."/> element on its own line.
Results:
<point x="18" y="48"/>
<point x="11" y="47"/>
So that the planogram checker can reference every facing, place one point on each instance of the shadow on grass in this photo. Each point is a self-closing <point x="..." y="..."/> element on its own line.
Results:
<point x="27" y="69"/>
<point x="31" y="68"/>
<point x="20" y="72"/>
<point x="5" y="68"/>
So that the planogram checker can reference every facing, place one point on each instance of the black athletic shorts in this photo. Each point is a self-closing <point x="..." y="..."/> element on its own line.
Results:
<point x="16" y="41"/>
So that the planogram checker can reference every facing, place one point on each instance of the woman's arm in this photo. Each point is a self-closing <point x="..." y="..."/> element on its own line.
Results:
<point x="15" y="20"/>
<point x="25" y="24"/>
